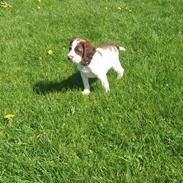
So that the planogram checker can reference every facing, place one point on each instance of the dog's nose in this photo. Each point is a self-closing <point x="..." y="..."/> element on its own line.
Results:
<point x="70" y="57"/>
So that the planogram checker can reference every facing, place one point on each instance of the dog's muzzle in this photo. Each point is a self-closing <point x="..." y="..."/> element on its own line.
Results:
<point x="70" y="58"/>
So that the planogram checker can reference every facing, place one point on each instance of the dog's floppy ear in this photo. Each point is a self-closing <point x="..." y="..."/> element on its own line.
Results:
<point x="88" y="52"/>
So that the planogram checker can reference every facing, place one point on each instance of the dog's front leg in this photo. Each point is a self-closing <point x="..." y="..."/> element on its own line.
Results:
<point x="86" y="90"/>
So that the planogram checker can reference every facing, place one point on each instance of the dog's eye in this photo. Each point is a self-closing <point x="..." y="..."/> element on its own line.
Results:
<point x="78" y="49"/>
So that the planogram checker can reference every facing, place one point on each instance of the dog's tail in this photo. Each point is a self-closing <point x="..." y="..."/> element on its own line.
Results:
<point x="121" y="48"/>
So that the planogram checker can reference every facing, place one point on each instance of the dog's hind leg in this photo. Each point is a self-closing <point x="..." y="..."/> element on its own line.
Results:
<point x="118" y="68"/>
<point x="104" y="81"/>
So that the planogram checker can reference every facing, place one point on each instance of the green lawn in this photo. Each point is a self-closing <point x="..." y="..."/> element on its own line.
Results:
<point x="133" y="134"/>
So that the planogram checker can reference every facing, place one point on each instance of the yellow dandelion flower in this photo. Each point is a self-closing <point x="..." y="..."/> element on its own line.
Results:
<point x="4" y="4"/>
<point x="50" y="52"/>
<point x="9" y="116"/>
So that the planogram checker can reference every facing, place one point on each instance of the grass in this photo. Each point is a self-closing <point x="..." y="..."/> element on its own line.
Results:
<point x="132" y="134"/>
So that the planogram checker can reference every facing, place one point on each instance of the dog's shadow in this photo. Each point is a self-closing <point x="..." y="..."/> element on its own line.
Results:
<point x="74" y="82"/>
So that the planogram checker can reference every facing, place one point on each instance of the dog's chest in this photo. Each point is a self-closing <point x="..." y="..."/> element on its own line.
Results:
<point x="86" y="71"/>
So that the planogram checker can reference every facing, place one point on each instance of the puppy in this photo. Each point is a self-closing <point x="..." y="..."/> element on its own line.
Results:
<point x="95" y="62"/>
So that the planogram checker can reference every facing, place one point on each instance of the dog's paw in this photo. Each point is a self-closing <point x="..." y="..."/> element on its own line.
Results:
<point x="107" y="89"/>
<point x="86" y="92"/>
<point x="120" y="75"/>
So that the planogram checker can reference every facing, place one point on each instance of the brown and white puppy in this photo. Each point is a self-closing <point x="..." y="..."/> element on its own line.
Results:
<point x="95" y="62"/>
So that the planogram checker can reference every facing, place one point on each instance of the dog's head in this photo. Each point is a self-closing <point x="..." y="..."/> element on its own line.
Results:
<point x="81" y="51"/>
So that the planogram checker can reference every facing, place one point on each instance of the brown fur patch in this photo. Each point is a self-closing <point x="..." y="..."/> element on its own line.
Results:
<point x="88" y="52"/>
<point x="110" y="47"/>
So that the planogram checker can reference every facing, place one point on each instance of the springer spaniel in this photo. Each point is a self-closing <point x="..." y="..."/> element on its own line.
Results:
<point x="95" y="62"/>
